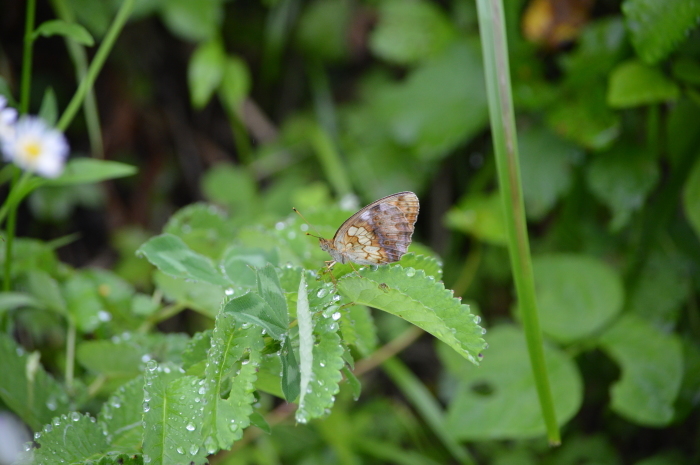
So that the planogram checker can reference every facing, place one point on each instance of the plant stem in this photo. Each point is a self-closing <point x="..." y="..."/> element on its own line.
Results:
<point x="70" y="354"/>
<point x="96" y="65"/>
<point x="495" y="53"/>
<point x="10" y="233"/>
<point x="27" y="57"/>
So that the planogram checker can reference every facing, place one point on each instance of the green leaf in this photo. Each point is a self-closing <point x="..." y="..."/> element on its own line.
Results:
<point x="13" y="300"/>
<point x="691" y="198"/>
<point x="46" y="290"/>
<point x="430" y="265"/>
<point x="256" y="419"/>
<point x="270" y="289"/>
<point x="657" y="28"/>
<point x="327" y="360"/>
<point x="358" y="329"/>
<point x="622" y="179"/>
<point x="172" y="256"/>
<point x="197" y="348"/>
<point x="235" y="83"/>
<point x="59" y="27"/>
<point x="48" y="111"/>
<point x="26" y="388"/>
<point x="239" y="264"/>
<point x="72" y="438"/>
<point x="410" y="32"/>
<point x="599" y="48"/>
<point x="420" y="300"/>
<point x="251" y="308"/>
<point x="499" y="400"/>
<point x="205" y="71"/>
<point x="84" y="304"/>
<point x="652" y="370"/>
<point x="172" y="418"/>
<point x="231" y="372"/>
<point x="634" y="84"/>
<point x="193" y="21"/>
<point x="545" y="166"/>
<point x="87" y="170"/>
<point x="290" y="371"/>
<point x="125" y="357"/>
<point x="306" y="341"/>
<point x="201" y="297"/>
<point x="234" y="188"/>
<point x="481" y="216"/>
<point x="577" y="295"/>
<point x="203" y="227"/>
<point x="323" y="29"/>
<point x="687" y="70"/>
<point x="121" y="416"/>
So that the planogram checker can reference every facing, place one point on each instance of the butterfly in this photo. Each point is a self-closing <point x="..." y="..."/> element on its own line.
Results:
<point x="379" y="233"/>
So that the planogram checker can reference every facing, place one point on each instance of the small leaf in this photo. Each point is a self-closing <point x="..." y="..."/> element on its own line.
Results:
<point x="290" y="371"/>
<point x="48" y="111"/>
<point x="12" y="300"/>
<point x="87" y="170"/>
<point x="633" y="84"/>
<point x="481" y="216"/>
<point x="205" y="228"/>
<point x="46" y="289"/>
<point x="72" y="438"/>
<point x="354" y="383"/>
<point x="172" y="256"/>
<point x="652" y="370"/>
<point x="196" y="349"/>
<point x="59" y="27"/>
<point x="84" y="304"/>
<point x="201" y="297"/>
<point x="239" y="264"/>
<point x="235" y="83"/>
<point x="193" y="21"/>
<point x="420" y="300"/>
<point x="577" y="295"/>
<point x="251" y="308"/>
<point x="657" y="28"/>
<point x="121" y="416"/>
<point x="306" y="341"/>
<point x="691" y="198"/>
<point x="205" y="71"/>
<point x="256" y="419"/>
<point x="270" y="290"/>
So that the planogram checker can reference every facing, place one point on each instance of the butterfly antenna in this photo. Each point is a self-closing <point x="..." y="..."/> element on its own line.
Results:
<point x="302" y="217"/>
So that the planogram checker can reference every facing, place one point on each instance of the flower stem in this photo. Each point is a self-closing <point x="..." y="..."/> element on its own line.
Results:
<point x="27" y="58"/>
<point x="10" y="234"/>
<point x="96" y="65"/>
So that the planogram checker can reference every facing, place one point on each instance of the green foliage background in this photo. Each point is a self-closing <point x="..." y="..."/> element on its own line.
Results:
<point x="177" y="322"/>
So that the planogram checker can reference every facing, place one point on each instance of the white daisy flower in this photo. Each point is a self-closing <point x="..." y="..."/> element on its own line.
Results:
<point x="8" y="116"/>
<point x="36" y="147"/>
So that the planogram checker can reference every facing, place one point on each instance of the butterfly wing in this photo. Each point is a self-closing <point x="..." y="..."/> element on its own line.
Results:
<point x="379" y="233"/>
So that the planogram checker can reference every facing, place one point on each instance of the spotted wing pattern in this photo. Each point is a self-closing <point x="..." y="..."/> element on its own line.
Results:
<point x="379" y="233"/>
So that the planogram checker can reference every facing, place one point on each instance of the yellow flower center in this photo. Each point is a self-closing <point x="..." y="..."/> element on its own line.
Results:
<point x="32" y="149"/>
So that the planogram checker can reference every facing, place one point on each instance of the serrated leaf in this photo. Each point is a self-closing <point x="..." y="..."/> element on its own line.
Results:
<point x="26" y="388"/>
<point x="121" y="416"/>
<point x="172" y="418"/>
<point x="691" y="198"/>
<point x="172" y="256"/>
<point x="420" y="300"/>
<point x="358" y="329"/>
<point x="73" y="438"/>
<point x="634" y="84"/>
<point x="196" y="349"/>
<point x="327" y="362"/>
<point x="290" y="371"/>
<point x="88" y="170"/>
<point x="409" y="32"/>
<point x="271" y="291"/>
<point x="205" y="70"/>
<point x="230" y="376"/>
<point x="201" y="297"/>
<point x="251" y="308"/>
<point x="203" y="227"/>
<point x="577" y="295"/>
<point x="652" y="370"/>
<point x="239" y="264"/>
<point x="72" y="31"/>
<point x="499" y="400"/>
<point x="658" y="27"/>
<point x="306" y="340"/>
<point x="430" y="265"/>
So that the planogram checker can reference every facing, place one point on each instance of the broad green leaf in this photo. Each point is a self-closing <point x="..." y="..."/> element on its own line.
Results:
<point x="251" y="308"/>
<point x="290" y="371"/>
<point x="576" y="294"/>
<point x="420" y="300"/>
<point x="235" y="83"/>
<point x="622" y="178"/>
<point x="239" y="264"/>
<point x="87" y="170"/>
<point x="31" y="254"/>
<point x="306" y="342"/>
<point x="202" y="297"/>
<point x="46" y="290"/>
<point x="634" y="84"/>
<point x="59" y="27"/>
<point x="233" y="188"/>
<point x="410" y="32"/>
<point x="172" y="418"/>
<point x="327" y="361"/>
<point x="691" y="198"/>
<point x="12" y="300"/>
<point x="84" y="304"/>
<point x="197" y="348"/>
<point x="657" y="28"/>
<point x="72" y="438"/>
<point x="358" y="329"/>
<point x="172" y="256"/>
<point x="270" y="290"/>
<point x="652" y="369"/>
<point x="231" y="370"/>
<point x="205" y="71"/>
<point x="545" y="166"/>
<point x="431" y="265"/>
<point x="599" y="48"/>
<point x="125" y="357"/>
<point x="121" y="416"/>
<point x="193" y="21"/>
<point x="481" y="216"/>
<point x="499" y="400"/>
<point x="26" y="388"/>
<point x="203" y="227"/>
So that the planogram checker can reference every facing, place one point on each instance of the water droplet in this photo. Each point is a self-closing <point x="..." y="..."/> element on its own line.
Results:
<point x="48" y="428"/>
<point x="202" y="390"/>
<point x="210" y="445"/>
<point x="322" y="364"/>
<point x="151" y="365"/>
<point x="483" y="330"/>
<point x="75" y="416"/>
<point x="104" y="316"/>
<point x="477" y="319"/>
<point x="336" y="316"/>
<point x="37" y="436"/>
<point x="194" y="449"/>
<point x="145" y="358"/>
<point x="180" y="450"/>
<point x="190" y="426"/>
<point x="146" y="458"/>
<point x="229" y="291"/>
<point x="146" y="407"/>
<point x="336" y="298"/>
<point x="410" y="272"/>
<point x="279" y="226"/>
<point x="322" y="292"/>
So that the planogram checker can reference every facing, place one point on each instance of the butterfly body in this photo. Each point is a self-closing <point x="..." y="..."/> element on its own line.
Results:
<point x="379" y="233"/>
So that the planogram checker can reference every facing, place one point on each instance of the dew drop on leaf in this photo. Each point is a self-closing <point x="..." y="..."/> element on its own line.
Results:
<point x="190" y="426"/>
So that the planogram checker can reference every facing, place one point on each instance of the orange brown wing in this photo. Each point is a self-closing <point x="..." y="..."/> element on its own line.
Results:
<point x="380" y="232"/>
